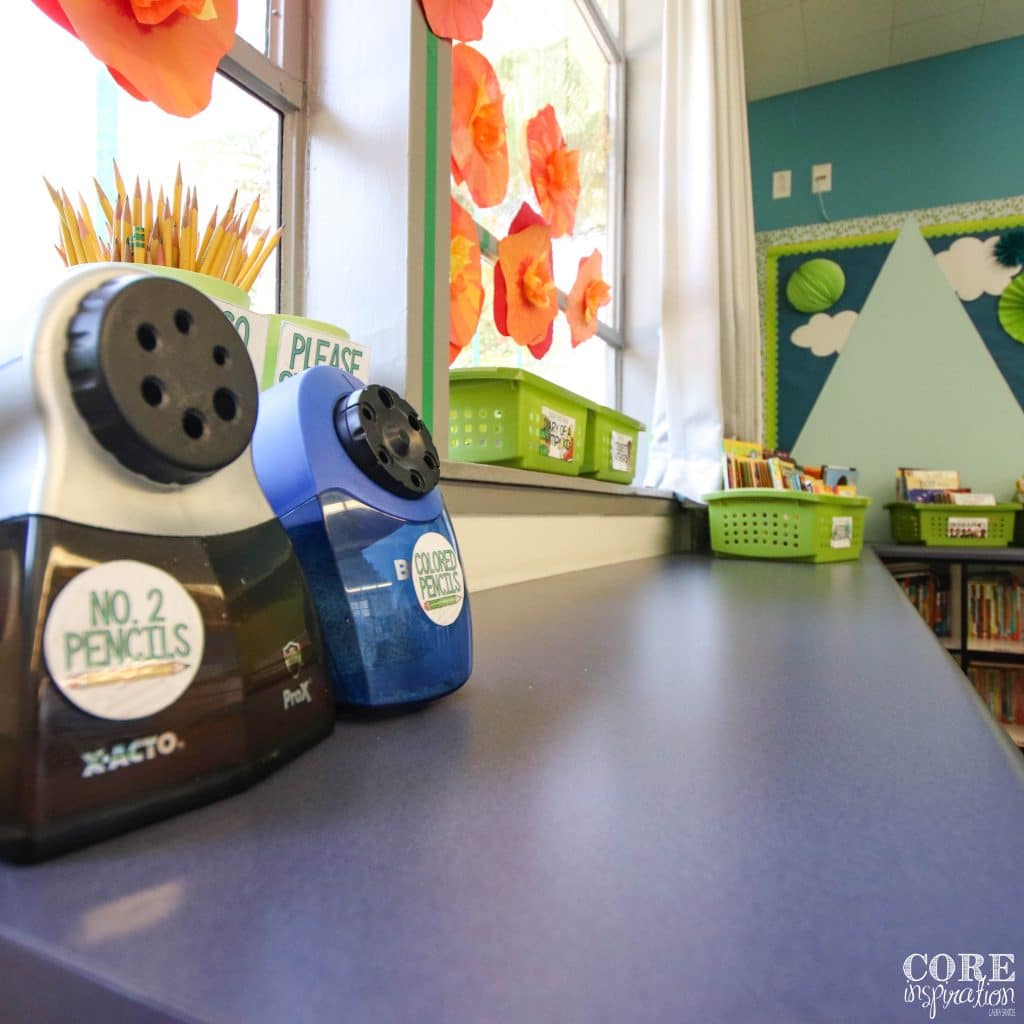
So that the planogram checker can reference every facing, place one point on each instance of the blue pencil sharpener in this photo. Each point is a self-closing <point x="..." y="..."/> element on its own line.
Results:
<point x="352" y="472"/>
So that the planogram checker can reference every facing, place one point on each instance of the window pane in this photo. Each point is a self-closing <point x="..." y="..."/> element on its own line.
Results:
<point x="544" y="52"/>
<point x="233" y="144"/>
<point x="252" y="23"/>
<point x="583" y="369"/>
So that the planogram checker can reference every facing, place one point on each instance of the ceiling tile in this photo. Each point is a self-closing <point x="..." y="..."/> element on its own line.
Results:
<point x="769" y="77"/>
<point x="919" y="39"/>
<point x="828" y="21"/>
<point x="1001" y="19"/>
<point x="777" y="34"/>
<point x="845" y="58"/>
<point x="917" y="10"/>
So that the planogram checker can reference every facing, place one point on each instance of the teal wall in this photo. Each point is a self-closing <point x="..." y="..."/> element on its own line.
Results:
<point x="939" y="131"/>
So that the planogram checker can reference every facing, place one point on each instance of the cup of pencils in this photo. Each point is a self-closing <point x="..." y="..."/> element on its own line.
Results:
<point x="164" y="235"/>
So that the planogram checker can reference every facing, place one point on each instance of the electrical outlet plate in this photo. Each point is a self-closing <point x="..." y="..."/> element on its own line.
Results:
<point x="782" y="184"/>
<point x="821" y="178"/>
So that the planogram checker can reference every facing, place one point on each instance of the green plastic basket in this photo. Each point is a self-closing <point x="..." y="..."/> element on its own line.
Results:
<point x="611" y="445"/>
<point x="515" y="418"/>
<point x="753" y="522"/>
<point x="951" y="526"/>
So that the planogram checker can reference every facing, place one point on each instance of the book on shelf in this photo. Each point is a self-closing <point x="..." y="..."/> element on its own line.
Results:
<point x="928" y="592"/>
<point x="1001" y="687"/>
<point x="748" y="464"/>
<point x="908" y="480"/>
<point x="995" y="609"/>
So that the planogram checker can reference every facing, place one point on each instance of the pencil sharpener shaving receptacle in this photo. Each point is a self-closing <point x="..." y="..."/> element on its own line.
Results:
<point x="352" y="472"/>
<point x="158" y="644"/>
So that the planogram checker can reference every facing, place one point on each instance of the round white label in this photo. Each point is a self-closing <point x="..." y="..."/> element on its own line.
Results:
<point x="437" y="577"/>
<point x="123" y="640"/>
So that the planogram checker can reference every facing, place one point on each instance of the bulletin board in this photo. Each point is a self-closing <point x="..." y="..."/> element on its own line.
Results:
<point x="802" y="348"/>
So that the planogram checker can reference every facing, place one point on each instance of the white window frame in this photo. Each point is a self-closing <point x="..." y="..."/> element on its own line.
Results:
<point x="279" y="80"/>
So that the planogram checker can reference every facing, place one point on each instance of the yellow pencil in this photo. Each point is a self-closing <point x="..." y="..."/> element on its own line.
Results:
<point x="148" y="214"/>
<point x="137" y="207"/>
<point x="72" y="223"/>
<point x="204" y="245"/>
<point x="62" y="254"/>
<point x="249" y="220"/>
<point x="89" y="244"/>
<point x="178" y="183"/>
<point x="252" y="257"/>
<point x="250" y="278"/>
<point x="119" y="182"/>
<point x="108" y="210"/>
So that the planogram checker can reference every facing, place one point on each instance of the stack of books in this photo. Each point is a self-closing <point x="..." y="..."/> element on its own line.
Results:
<point x="937" y="487"/>
<point x="749" y="464"/>
<point x="928" y="592"/>
<point x="994" y="607"/>
<point x="1001" y="687"/>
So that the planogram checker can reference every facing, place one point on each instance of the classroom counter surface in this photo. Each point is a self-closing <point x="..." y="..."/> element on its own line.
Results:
<point x="681" y="789"/>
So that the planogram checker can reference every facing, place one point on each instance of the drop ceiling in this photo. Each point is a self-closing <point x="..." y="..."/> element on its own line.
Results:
<point x="793" y="44"/>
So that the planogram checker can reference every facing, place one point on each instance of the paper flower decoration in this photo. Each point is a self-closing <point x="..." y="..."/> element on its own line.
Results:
<point x="525" y="300"/>
<point x="1009" y="249"/>
<point x="1011" y="309"/>
<point x="466" y="291"/>
<point x="479" y="145"/>
<point x="588" y="295"/>
<point x="457" y="19"/>
<point x="161" y="50"/>
<point x="815" y="285"/>
<point x="554" y="172"/>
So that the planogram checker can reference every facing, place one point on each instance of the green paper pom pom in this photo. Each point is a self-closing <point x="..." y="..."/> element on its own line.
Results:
<point x="815" y="285"/>
<point x="1011" y="309"/>
<point x="1009" y="250"/>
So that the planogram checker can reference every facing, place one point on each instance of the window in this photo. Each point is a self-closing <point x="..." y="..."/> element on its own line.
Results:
<point x="567" y="53"/>
<point x="243" y="140"/>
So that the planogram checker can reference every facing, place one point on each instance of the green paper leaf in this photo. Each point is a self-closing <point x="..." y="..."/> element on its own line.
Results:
<point x="1011" y="309"/>
<point x="815" y="286"/>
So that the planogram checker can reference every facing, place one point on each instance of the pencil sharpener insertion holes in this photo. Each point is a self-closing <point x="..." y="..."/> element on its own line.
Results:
<point x="387" y="439"/>
<point x="225" y="405"/>
<point x="193" y="424"/>
<point x="147" y="337"/>
<point x="161" y="378"/>
<point x="153" y="392"/>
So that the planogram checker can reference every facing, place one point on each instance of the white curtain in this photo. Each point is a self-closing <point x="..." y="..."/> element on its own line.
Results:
<point x="709" y="376"/>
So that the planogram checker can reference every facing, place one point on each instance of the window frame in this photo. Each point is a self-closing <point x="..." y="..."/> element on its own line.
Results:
<point x="278" y="79"/>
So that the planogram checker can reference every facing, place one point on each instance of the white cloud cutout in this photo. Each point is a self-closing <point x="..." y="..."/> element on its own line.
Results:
<point x="972" y="269"/>
<point x="823" y="334"/>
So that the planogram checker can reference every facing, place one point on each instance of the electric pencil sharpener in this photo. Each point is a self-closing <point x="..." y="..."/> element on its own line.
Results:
<point x="352" y="472"/>
<point x="158" y="644"/>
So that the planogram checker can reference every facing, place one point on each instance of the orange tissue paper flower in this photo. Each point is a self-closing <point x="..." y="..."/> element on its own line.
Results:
<point x="466" y="290"/>
<point x="457" y="19"/>
<point x="554" y="171"/>
<point x="525" y="300"/>
<point x="166" y="51"/>
<point x="479" y="144"/>
<point x="588" y="295"/>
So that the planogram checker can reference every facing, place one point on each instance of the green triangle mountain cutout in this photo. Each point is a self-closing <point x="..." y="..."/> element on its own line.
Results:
<point x="915" y="386"/>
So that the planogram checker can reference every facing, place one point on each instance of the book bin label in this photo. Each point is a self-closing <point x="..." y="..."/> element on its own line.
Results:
<point x="123" y="640"/>
<point x="437" y="577"/>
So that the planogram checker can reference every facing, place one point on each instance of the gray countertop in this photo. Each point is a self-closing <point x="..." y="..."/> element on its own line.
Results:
<point x="674" y="790"/>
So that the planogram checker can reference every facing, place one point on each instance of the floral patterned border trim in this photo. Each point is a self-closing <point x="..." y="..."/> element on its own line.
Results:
<point x="935" y="222"/>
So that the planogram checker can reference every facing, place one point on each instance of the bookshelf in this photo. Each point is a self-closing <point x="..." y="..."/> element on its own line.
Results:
<point x="983" y="586"/>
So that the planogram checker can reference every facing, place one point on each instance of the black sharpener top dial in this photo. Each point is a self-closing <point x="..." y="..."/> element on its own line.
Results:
<point x="385" y="437"/>
<point x="161" y="378"/>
